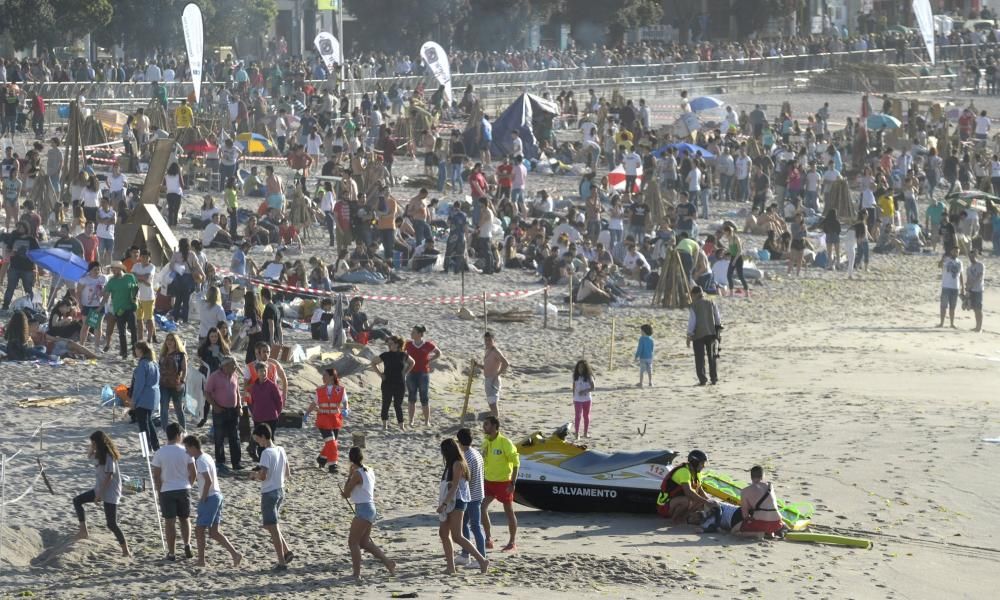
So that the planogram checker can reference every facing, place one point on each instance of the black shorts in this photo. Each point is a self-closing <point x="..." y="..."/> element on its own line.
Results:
<point x="430" y="160"/>
<point x="175" y="503"/>
<point x="798" y="244"/>
<point x="976" y="300"/>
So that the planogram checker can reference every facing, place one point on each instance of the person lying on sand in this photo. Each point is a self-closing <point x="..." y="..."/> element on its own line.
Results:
<point x="720" y="517"/>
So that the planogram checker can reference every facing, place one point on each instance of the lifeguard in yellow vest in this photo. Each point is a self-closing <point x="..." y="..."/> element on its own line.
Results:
<point x="331" y="409"/>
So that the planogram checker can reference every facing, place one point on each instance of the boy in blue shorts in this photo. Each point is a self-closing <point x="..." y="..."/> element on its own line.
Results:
<point x="209" y="502"/>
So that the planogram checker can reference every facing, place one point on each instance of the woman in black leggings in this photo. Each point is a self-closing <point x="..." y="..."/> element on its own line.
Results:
<point x="107" y="490"/>
<point x="396" y="366"/>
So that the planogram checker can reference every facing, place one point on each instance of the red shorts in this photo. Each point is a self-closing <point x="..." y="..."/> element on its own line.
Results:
<point x="755" y="526"/>
<point x="498" y="490"/>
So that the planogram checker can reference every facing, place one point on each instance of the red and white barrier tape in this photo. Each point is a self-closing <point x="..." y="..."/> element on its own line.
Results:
<point x="264" y="158"/>
<point x="517" y="294"/>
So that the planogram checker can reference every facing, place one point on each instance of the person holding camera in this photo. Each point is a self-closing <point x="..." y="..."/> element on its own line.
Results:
<point x="704" y="330"/>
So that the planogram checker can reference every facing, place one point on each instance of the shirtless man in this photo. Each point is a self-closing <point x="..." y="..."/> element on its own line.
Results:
<point x="275" y="190"/>
<point x="494" y="365"/>
<point x="416" y="210"/>
<point x="759" y="507"/>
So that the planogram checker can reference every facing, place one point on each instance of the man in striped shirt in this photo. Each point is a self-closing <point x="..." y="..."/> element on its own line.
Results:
<point x="472" y="526"/>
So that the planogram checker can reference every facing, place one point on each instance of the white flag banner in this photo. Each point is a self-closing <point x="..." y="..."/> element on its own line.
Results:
<point x="329" y="50"/>
<point x="195" y="39"/>
<point x="925" y="21"/>
<point x="436" y="60"/>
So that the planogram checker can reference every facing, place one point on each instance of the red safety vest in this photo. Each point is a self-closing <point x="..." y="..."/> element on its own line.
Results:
<point x="328" y="407"/>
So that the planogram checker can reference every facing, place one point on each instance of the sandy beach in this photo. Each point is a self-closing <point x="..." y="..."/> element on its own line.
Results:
<point x="845" y="391"/>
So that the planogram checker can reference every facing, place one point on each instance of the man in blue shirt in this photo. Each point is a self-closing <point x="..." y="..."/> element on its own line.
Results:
<point x="240" y="261"/>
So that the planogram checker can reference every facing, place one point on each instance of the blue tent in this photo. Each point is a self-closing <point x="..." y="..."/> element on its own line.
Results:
<point x="521" y="116"/>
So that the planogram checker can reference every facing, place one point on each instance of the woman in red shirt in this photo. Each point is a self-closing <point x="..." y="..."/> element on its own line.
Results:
<point x="423" y="352"/>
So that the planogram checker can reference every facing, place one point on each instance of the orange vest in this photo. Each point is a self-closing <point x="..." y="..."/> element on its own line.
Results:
<point x="328" y="408"/>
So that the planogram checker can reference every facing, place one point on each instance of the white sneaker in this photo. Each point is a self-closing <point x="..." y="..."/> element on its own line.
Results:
<point x="463" y="560"/>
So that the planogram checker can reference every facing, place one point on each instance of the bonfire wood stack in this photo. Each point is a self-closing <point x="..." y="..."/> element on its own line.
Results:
<point x="838" y="197"/>
<point x="75" y="153"/>
<point x="157" y="115"/>
<point x="655" y="202"/>
<point x="46" y="200"/>
<point x="672" y="290"/>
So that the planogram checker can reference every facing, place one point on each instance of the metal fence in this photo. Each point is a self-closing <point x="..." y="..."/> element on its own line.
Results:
<point x="505" y="85"/>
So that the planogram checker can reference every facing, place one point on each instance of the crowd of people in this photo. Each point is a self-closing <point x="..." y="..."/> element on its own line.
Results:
<point x="603" y="244"/>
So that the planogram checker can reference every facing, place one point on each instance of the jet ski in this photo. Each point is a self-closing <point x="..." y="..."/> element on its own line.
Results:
<point x="561" y="476"/>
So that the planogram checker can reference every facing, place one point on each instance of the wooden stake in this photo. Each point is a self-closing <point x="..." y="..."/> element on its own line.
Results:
<point x="41" y="434"/>
<point x="45" y="477"/>
<point x="485" y="317"/>
<point x="468" y="390"/>
<point x="611" y="350"/>
<point x="571" y="302"/>
<point x="545" y="308"/>
<point x="463" y="288"/>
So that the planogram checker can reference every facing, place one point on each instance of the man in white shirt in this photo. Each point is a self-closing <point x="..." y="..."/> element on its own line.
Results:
<point x="727" y="173"/>
<point x="214" y="236"/>
<point x="644" y="116"/>
<point x="516" y="145"/>
<point x="229" y="157"/>
<point x="209" y="502"/>
<point x="153" y="72"/>
<point x="106" y="217"/>
<point x="742" y="166"/>
<point x="812" y="188"/>
<point x="982" y="127"/>
<point x="632" y="163"/>
<point x="635" y="263"/>
<point x="591" y="142"/>
<point x="829" y="176"/>
<point x="518" y="181"/>
<point x="694" y="189"/>
<point x="273" y="472"/>
<point x="144" y="273"/>
<point x="173" y="474"/>
<point x="281" y="130"/>
<point x="951" y="281"/>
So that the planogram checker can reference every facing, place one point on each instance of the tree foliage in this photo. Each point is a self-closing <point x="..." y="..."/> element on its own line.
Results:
<point x="240" y="18"/>
<point x="480" y="28"/>
<point x="616" y="16"/>
<point x="53" y="22"/>
<point x="392" y="24"/>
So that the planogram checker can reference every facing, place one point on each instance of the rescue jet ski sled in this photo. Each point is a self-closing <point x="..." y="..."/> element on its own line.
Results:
<point x="561" y="476"/>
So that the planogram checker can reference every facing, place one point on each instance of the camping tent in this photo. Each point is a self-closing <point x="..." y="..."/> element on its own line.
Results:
<point x="146" y="229"/>
<point x="522" y="116"/>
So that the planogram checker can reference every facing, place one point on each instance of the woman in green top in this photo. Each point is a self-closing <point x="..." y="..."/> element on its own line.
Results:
<point x="232" y="204"/>
<point x="735" y="261"/>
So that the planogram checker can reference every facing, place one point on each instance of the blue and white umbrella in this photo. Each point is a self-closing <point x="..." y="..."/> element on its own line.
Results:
<point x="705" y="103"/>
